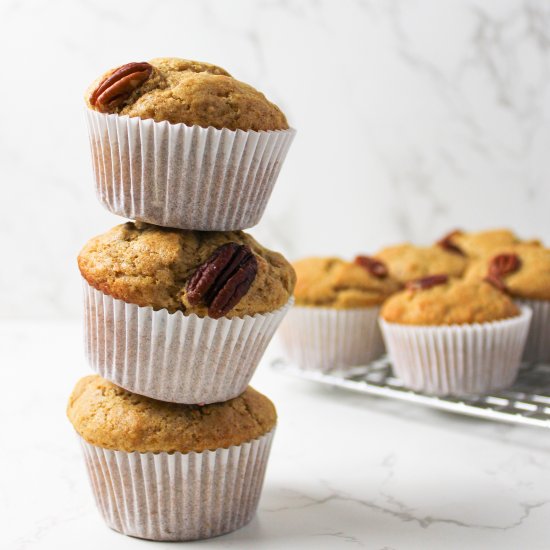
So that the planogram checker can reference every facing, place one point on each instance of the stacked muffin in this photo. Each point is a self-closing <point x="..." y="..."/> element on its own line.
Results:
<point x="181" y="303"/>
<point x="455" y="316"/>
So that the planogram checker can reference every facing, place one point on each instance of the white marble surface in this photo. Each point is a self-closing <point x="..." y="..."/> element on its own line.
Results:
<point x="413" y="117"/>
<point x="346" y="471"/>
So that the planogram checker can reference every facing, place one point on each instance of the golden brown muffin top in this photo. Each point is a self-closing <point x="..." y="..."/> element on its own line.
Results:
<point x="482" y="243"/>
<point x="455" y="302"/>
<point x="531" y="280"/>
<point x="113" y="418"/>
<point x="184" y="91"/>
<point x="152" y="266"/>
<point x="407" y="261"/>
<point x="332" y="282"/>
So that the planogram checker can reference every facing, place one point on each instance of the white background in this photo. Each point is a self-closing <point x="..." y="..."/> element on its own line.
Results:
<point x="413" y="117"/>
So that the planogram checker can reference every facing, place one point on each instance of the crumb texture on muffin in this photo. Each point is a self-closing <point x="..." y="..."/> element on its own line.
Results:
<point x="195" y="93"/>
<point x="481" y="243"/>
<point x="332" y="282"/>
<point x="457" y="302"/>
<point x="110" y="417"/>
<point x="151" y="266"/>
<point x="532" y="278"/>
<point x="407" y="261"/>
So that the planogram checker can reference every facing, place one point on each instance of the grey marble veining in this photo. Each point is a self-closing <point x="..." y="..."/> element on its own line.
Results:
<point x="413" y="117"/>
<point x="345" y="471"/>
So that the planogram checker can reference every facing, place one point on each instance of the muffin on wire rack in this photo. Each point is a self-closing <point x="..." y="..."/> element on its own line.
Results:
<point x="480" y="244"/>
<point x="523" y="271"/>
<point x="407" y="261"/>
<point x="452" y="337"/>
<point x="334" y="323"/>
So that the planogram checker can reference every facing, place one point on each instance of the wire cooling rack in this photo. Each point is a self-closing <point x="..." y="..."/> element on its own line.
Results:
<point x="526" y="402"/>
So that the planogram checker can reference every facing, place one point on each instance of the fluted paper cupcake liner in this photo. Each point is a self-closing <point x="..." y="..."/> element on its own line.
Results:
<point x="176" y="496"/>
<point x="457" y="359"/>
<point x="171" y="356"/>
<point x="189" y="177"/>
<point x="537" y="348"/>
<point x="326" y="339"/>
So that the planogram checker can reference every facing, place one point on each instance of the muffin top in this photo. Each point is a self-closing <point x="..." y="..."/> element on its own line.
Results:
<point x="482" y="243"/>
<point x="108" y="416"/>
<point x="332" y="282"/>
<point x="527" y="276"/>
<point x="183" y="91"/>
<point x="448" y="302"/>
<point x="210" y="273"/>
<point x="407" y="262"/>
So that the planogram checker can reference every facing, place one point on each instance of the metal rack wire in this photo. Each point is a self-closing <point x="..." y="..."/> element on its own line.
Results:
<point x="526" y="402"/>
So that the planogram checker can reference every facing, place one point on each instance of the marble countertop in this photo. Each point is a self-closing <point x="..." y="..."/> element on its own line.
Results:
<point x="346" y="470"/>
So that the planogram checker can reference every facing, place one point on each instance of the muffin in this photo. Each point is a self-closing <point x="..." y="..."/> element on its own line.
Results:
<point x="183" y="91"/>
<point x="452" y="337"/>
<point x="181" y="316"/>
<point x="183" y="144"/>
<point x="523" y="270"/>
<point x="482" y="243"/>
<point x="164" y="471"/>
<point x="334" y="322"/>
<point x="407" y="261"/>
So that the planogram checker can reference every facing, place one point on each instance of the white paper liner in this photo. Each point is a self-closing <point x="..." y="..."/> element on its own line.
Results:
<point x="326" y="339"/>
<point x="537" y="348"/>
<point x="457" y="359"/>
<point x="176" y="496"/>
<point x="171" y="356"/>
<point x="189" y="177"/>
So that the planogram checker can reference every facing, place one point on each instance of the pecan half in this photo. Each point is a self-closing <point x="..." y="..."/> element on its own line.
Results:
<point x="500" y="266"/>
<point x="223" y="279"/>
<point x="503" y="265"/>
<point x="447" y="242"/>
<point x="117" y="87"/>
<point x="373" y="266"/>
<point x="427" y="282"/>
